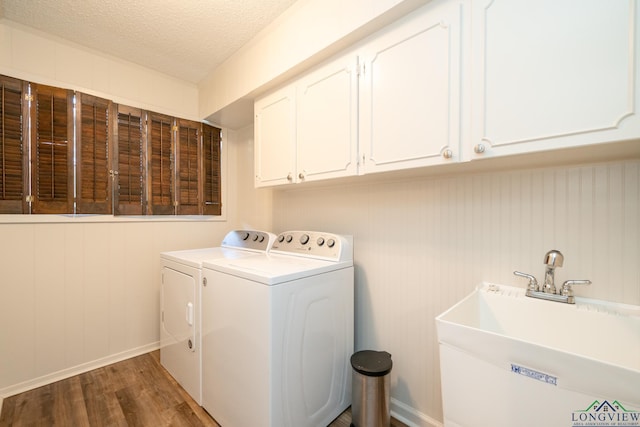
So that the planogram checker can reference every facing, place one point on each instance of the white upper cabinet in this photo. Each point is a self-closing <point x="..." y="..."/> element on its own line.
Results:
<point x="552" y="74"/>
<point x="410" y="91"/>
<point x="327" y="133"/>
<point x="275" y="138"/>
<point x="307" y="130"/>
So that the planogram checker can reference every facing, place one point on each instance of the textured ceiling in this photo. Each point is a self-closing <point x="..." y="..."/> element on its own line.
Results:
<point x="182" y="38"/>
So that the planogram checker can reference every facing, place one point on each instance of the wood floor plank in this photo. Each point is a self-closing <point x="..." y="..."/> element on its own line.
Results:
<point x="68" y="406"/>
<point x="134" y="392"/>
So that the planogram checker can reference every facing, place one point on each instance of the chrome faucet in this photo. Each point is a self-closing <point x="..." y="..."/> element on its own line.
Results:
<point x="552" y="259"/>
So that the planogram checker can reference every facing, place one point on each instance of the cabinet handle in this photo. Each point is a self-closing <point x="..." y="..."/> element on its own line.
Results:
<point x="479" y="148"/>
<point x="301" y="175"/>
<point x="447" y="154"/>
<point x="290" y="177"/>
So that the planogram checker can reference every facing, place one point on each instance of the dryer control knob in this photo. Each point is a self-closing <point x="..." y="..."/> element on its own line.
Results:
<point x="320" y="241"/>
<point x="289" y="238"/>
<point x="304" y="239"/>
<point x="245" y="235"/>
<point x="281" y="238"/>
<point x="255" y="238"/>
<point x="331" y="243"/>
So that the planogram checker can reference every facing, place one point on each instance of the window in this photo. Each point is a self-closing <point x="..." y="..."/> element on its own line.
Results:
<point x="12" y="146"/>
<point x="188" y="156"/>
<point x="211" y="170"/>
<point x="161" y="178"/>
<point x="130" y="140"/>
<point x="63" y="152"/>
<point x="93" y="144"/>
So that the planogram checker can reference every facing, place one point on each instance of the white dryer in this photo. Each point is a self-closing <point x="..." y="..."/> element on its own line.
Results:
<point x="180" y="303"/>
<point x="278" y="333"/>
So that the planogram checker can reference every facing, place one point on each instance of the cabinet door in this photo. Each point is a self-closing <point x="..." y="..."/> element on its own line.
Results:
<point x="410" y="91"/>
<point x="327" y="142"/>
<point x="552" y="73"/>
<point x="275" y="138"/>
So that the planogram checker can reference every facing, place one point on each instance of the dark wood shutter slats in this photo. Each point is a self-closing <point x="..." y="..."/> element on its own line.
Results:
<point x="92" y="152"/>
<point x="66" y="153"/>
<point x="188" y="158"/>
<point x="161" y="177"/>
<point x="212" y="201"/>
<point x="12" y="167"/>
<point x="52" y="149"/>
<point x="130" y="152"/>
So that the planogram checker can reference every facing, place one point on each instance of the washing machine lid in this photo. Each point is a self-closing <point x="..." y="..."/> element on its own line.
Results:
<point x="236" y="244"/>
<point x="274" y="269"/>
<point x="195" y="257"/>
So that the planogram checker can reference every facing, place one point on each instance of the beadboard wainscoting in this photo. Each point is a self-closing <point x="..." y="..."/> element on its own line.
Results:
<point x="77" y="296"/>
<point x="422" y="244"/>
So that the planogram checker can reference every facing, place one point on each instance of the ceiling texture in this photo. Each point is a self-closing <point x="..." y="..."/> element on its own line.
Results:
<point x="186" y="39"/>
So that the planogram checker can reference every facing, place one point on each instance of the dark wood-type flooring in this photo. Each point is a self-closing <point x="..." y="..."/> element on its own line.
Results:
<point x="134" y="392"/>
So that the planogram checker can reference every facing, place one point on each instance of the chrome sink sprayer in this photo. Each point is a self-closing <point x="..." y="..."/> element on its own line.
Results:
<point x="552" y="259"/>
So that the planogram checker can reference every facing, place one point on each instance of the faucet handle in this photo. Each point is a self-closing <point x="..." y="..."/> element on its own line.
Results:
<point x="567" y="291"/>
<point x="533" y="282"/>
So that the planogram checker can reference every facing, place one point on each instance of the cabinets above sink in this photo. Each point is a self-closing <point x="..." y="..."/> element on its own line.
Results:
<point x="456" y="81"/>
<point x="552" y="74"/>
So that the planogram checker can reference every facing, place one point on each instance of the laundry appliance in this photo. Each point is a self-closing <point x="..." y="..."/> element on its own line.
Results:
<point x="277" y="333"/>
<point x="180" y="303"/>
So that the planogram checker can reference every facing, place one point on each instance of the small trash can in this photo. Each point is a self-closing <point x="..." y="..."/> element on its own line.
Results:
<point x="370" y="389"/>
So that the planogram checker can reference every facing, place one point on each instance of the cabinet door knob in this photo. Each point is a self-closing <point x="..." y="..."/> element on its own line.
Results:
<point x="290" y="177"/>
<point x="447" y="154"/>
<point x="479" y="148"/>
<point x="301" y="175"/>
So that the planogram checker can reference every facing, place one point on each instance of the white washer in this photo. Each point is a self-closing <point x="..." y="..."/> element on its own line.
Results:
<point x="278" y="333"/>
<point x="180" y="307"/>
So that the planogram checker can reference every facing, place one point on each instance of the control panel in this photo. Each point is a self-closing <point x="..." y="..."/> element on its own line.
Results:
<point x="314" y="244"/>
<point x="249" y="239"/>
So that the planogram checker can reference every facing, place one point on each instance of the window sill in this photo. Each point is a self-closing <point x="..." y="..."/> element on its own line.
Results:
<point x="75" y="219"/>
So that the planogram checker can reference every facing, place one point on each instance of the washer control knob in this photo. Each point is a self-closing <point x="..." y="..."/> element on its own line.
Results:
<point x="281" y="238"/>
<point x="289" y="238"/>
<point x="331" y="243"/>
<point x="255" y="238"/>
<point x="245" y="236"/>
<point x="320" y="241"/>
<point x="261" y="239"/>
<point x="304" y="239"/>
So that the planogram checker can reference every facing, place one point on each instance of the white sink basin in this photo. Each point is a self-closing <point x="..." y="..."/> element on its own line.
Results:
<point x="507" y="359"/>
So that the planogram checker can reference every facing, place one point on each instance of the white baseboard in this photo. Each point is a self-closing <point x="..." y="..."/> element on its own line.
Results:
<point x="411" y="416"/>
<point x="74" y="370"/>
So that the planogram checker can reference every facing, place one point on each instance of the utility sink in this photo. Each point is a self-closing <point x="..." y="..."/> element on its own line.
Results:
<point x="507" y="359"/>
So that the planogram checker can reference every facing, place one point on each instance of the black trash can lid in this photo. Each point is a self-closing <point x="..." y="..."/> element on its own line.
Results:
<point x="371" y="363"/>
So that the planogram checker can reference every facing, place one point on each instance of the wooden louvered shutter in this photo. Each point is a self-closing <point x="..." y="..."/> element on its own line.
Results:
<point x="13" y="166"/>
<point x="188" y="156"/>
<point x="130" y="152"/>
<point x="212" y="201"/>
<point x="52" y="150"/>
<point x="161" y="176"/>
<point x="92" y="155"/>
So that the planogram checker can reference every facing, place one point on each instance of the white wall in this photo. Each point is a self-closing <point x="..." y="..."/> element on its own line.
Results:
<point x="33" y="56"/>
<point x="77" y="293"/>
<point x="422" y="244"/>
